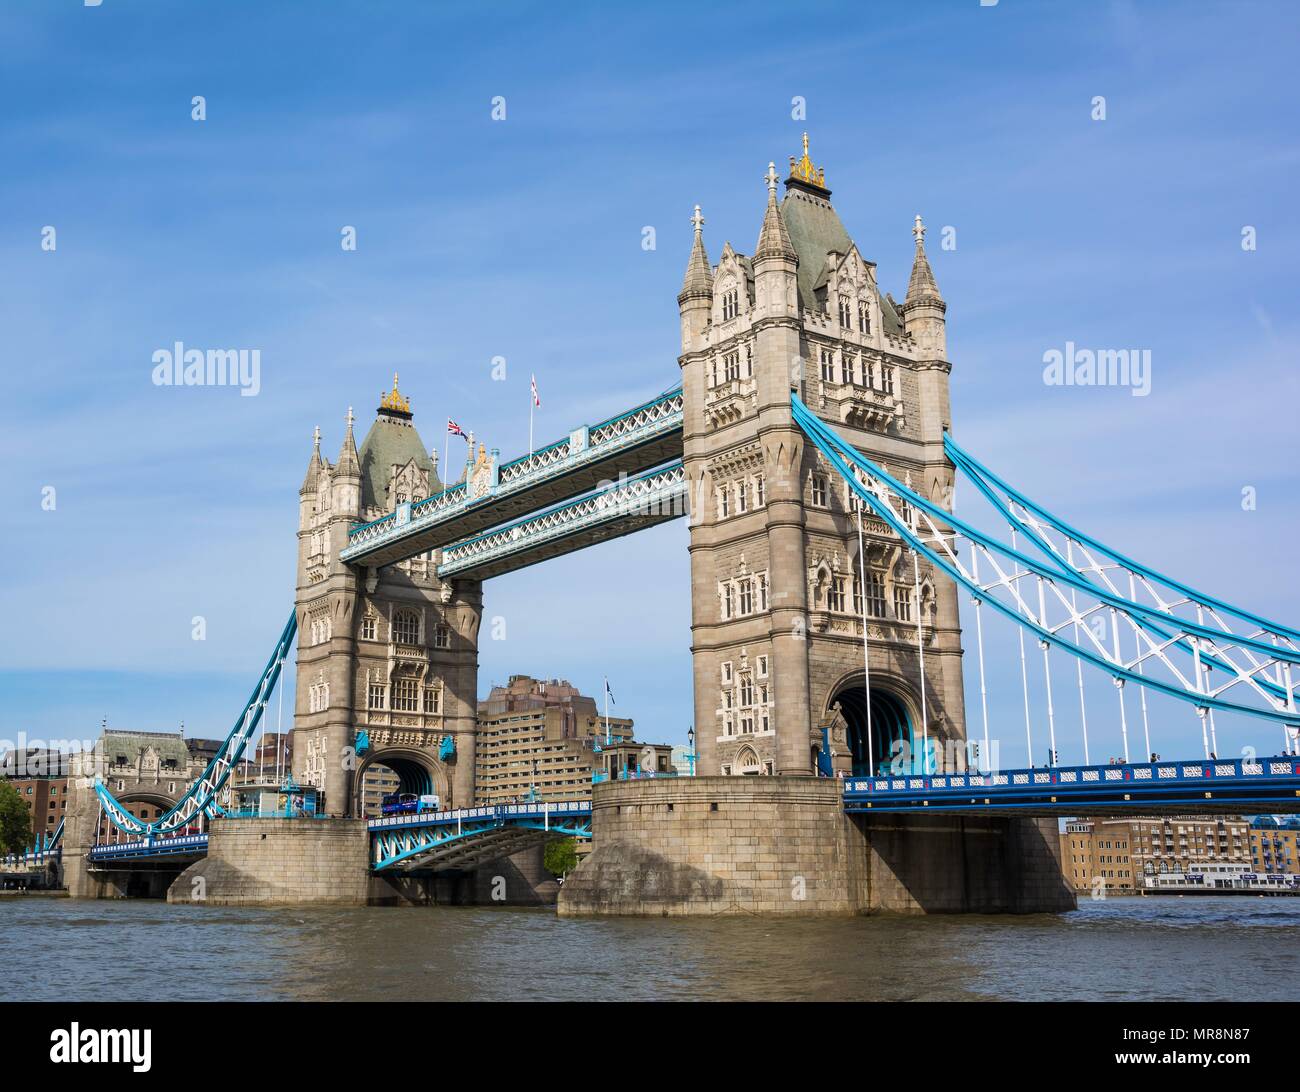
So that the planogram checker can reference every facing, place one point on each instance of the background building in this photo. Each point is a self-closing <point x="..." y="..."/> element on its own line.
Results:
<point x="543" y="737"/>
<point x="1120" y="851"/>
<point x="41" y="779"/>
<point x="1275" y="845"/>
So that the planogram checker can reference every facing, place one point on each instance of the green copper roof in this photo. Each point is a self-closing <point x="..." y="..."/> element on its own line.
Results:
<point x="816" y="230"/>
<point x="390" y="441"/>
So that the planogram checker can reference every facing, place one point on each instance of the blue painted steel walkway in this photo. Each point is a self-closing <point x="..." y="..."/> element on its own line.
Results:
<point x="629" y="444"/>
<point x="1222" y="787"/>
<point x="461" y="838"/>
<point x="175" y="847"/>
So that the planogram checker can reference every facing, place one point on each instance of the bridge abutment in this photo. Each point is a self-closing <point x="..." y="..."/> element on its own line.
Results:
<point x="785" y="846"/>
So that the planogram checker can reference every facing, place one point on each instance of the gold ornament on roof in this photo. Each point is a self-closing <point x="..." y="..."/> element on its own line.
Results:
<point x="803" y="169"/>
<point x="394" y="400"/>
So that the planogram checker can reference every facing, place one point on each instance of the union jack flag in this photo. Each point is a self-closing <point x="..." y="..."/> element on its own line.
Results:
<point x="536" y="401"/>
<point x="455" y="429"/>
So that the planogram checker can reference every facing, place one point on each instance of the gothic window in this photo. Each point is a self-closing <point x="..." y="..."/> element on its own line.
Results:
<point x="864" y="317"/>
<point x="747" y="761"/>
<point x="868" y="372"/>
<point x="375" y="696"/>
<point x="746" y="691"/>
<point x="887" y="379"/>
<point x="726" y="671"/>
<point x="727" y="600"/>
<point x="368" y="628"/>
<point x="846" y="313"/>
<point x="730" y="304"/>
<point x="433" y="699"/>
<point x="746" y="596"/>
<point x="724" y="502"/>
<point x="742" y="497"/>
<point x="819" y="490"/>
<point x="903" y="603"/>
<point x="762" y="597"/>
<point x="406" y="628"/>
<point x="835" y="594"/>
<point x="875" y="595"/>
<point x="828" y="366"/>
<point x="846" y="368"/>
<point x="731" y="366"/>
<point x="762" y="673"/>
<point x="405" y="695"/>
<point x="760" y="490"/>
<point x="441" y="636"/>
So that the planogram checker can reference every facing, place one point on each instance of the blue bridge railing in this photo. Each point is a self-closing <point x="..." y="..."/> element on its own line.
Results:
<point x="1266" y="784"/>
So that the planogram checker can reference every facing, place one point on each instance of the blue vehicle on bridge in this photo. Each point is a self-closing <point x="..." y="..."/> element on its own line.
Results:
<point x="404" y="803"/>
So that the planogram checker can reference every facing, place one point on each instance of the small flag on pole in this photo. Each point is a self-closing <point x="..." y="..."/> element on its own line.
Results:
<point x="608" y="692"/>
<point x="455" y="429"/>
<point x="536" y="401"/>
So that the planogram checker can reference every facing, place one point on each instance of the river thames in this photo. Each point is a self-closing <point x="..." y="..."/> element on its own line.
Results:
<point x="1152" y="949"/>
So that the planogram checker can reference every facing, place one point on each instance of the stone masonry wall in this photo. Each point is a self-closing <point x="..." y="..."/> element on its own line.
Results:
<point x="784" y="845"/>
<point x="254" y="862"/>
<point x="718" y="845"/>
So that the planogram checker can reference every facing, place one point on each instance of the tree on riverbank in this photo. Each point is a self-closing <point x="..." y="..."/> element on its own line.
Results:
<point x="560" y="857"/>
<point x="15" y="821"/>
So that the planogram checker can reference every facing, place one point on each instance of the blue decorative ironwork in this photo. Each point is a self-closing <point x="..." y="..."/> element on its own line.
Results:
<point x="180" y="845"/>
<point x="423" y="838"/>
<point x="1238" y="786"/>
<point x="654" y="420"/>
<point x="200" y="798"/>
<point x="658" y="495"/>
<point x="446" y="748"/>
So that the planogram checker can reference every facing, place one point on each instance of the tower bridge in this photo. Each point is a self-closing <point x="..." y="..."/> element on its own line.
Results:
<point x="810" y="444"/>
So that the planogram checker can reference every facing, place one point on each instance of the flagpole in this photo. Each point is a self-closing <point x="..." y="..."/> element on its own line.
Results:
<point x="606" y="710"/>
<point x="531" y="399"/>
<point x="446" y="453"/>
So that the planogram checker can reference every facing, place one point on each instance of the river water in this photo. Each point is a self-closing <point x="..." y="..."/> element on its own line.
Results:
<point x="1229" y="948"/>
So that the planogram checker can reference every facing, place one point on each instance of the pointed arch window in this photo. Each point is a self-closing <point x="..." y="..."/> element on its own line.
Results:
<point x="864" y="317"/>
<point x="846" y="312"/>
<point x="406" y="628"/>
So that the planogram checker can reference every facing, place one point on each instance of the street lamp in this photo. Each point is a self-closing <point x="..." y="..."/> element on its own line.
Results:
<point x="690" y="745"/>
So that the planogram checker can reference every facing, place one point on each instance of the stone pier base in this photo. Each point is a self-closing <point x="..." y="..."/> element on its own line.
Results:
<point x="272" y="862"/>
<point x="784" y="845"/>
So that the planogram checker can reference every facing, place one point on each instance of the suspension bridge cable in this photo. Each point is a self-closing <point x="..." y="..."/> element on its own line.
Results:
<point x="1024" y="674"/>
<point x="866" y="656"/>
<point x="1078" y="664"/>
<point x="838" y="450"/>
<point x="920" y="652"/>
<point x="1047" y="674"/>
<point x="979" y="639"/>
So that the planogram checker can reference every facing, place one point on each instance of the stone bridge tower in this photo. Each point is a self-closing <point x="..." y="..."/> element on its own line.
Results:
<point x="391" y="653"/>
<point x="776" y="585"/>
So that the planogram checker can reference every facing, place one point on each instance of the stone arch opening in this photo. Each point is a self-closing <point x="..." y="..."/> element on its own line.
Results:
<point x="891" y="731"/>
<point x="396" y="770"/>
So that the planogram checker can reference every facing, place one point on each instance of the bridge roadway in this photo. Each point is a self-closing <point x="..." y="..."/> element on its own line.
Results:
<point x="1226" y="787"/>
<point x="621" y="447"/>
<point x="464" y="837"/>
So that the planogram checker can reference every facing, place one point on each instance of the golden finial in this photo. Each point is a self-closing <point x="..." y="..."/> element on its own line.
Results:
<point x="394" y="400"/>
<point x="803" y="169"/>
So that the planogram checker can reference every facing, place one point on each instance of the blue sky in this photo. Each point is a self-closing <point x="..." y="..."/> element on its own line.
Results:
<point x="522" y="238"/>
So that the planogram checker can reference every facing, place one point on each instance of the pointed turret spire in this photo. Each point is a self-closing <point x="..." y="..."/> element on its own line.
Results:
<point x="773" y="239"/>
<point x="349" y="462"/>
<point x="314" y="466"/>
<point x="922" y="284"/>
<point x="698" y="282"/>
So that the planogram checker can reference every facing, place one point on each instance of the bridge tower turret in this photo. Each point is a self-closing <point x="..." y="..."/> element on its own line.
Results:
<point x="389" y="652"/>
<point x="777" y="588"/>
